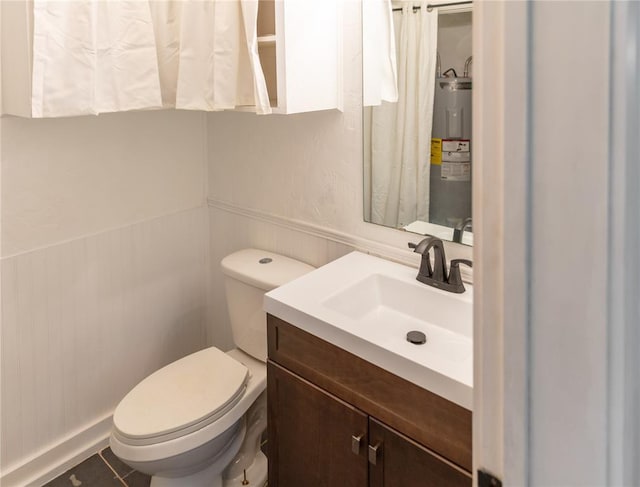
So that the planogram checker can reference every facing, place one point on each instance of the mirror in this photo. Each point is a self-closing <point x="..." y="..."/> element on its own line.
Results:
<point x="417" y="148"/>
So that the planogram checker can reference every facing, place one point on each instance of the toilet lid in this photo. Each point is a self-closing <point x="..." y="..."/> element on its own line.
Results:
<point x="198" y="388"/>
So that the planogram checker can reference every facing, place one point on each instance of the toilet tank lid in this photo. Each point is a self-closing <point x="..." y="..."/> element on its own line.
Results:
<point x="262" y="269"/>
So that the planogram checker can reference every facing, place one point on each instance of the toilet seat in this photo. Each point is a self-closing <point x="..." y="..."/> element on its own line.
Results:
<point x="182" y="397"/>
<point x="128" y="451"/>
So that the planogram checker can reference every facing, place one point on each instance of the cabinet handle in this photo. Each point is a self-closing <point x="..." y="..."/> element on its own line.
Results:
<point x="373" y="453"/>
<point x="355" y="443"/>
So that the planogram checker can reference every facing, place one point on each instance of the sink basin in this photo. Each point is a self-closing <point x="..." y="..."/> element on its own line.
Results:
<point x="367" y="305"/>
<point x="385" y="309"/>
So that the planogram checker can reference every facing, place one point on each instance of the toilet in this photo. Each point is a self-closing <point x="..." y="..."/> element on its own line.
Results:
<point x="198" y="421"/>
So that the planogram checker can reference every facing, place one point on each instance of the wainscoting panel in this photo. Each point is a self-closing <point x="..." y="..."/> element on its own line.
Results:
<point x="84" y="321"/>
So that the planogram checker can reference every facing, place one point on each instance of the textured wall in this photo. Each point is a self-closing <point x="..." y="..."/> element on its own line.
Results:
<point x="66" y="178"/>
<point x="454" y="40"/>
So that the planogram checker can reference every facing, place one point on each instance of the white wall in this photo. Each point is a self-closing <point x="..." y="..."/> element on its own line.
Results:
<point x="104" y="274"/>
<point x="67" y="178"/>
<point x="298" y="177"/>
<point x="454" y="40"/>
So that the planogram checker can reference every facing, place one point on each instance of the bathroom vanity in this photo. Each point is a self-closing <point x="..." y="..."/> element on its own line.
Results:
<point x="346" y="405"/>
<point x="335" y="419"/>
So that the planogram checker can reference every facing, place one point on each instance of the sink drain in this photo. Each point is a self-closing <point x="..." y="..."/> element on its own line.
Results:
<point x="416" y="337"/>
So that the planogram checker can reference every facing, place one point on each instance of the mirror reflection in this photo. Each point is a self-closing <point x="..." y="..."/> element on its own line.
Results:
<point x="417" y="118"/>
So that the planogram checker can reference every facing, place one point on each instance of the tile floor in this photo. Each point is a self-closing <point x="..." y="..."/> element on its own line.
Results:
<point x="103" y="469"/>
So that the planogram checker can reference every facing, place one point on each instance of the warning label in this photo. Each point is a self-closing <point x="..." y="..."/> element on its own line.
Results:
<point x="455" y="145"/>
<point x="456" y="171"/>
<point x="456" y="160"/>
<point x="456" y="156"/>
<point x="436" y="152"/>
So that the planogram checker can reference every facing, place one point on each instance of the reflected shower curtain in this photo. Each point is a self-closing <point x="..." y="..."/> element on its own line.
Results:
<point x="401" y="132"/>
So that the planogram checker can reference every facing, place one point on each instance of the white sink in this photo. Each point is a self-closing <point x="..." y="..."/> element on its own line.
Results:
<point x="366" y="305"/>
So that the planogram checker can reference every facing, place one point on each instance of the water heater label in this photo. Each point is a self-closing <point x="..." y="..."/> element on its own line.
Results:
<point x="455" y="171"/>
<point x="456" y="145"/>
<point x="456" y="157"/>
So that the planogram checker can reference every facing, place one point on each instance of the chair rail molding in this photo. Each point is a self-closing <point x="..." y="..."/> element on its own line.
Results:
<point x="401" y="255"/>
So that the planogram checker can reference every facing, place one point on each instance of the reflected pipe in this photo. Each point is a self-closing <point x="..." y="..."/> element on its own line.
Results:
<point x="466" y="66"/>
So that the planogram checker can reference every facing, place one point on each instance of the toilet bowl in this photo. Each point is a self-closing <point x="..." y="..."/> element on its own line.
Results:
<point x="197" y="422"/>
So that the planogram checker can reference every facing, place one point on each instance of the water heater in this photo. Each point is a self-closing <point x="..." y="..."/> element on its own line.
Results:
<point x="450" y="187"/>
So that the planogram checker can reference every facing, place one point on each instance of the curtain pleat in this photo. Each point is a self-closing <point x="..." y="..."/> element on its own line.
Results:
<point x="167" y="24"/>
<point x="250" y="20"/>
<point x="219" y="67"/>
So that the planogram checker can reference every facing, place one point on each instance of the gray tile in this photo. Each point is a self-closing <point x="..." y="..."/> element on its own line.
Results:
<point x="137" y="479"/>
<point x="93" y="472"/>
<point x="121" y="468"/>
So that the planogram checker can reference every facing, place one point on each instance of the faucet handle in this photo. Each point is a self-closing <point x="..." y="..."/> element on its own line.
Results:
<point x="455" y="280"/>
<point x="457" y="262"/>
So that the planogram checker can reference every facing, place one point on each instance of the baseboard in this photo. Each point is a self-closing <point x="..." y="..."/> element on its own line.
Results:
<point x="48" y="464"/>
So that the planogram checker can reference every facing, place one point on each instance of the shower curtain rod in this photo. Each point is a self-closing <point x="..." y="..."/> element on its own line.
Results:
<point x="437" y="5"/>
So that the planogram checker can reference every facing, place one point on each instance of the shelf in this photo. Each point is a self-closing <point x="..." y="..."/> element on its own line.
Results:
<point x="252" y="109"/>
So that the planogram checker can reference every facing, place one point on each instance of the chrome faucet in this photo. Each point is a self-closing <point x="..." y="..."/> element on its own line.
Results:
<point x="436" y="275"/>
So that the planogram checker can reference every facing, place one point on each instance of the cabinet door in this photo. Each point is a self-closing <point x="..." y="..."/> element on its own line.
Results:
<point x="395" y="460"/>
<point x="309" y="57"/>
<point x="312" y="435"/>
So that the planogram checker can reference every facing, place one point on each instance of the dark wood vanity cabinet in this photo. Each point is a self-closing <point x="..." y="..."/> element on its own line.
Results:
<point x="310" y="441"/>
<point x="335" y="420"/>
<point x="402" y="462"/>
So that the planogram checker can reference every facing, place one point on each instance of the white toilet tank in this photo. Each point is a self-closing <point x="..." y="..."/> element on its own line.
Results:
<point x="249" y="274"/>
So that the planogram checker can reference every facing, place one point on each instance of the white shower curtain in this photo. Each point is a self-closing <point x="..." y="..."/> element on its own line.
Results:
<point x="96" y="56"/>
<point x="219" y="67"/>
<point x="93" y="56"/>
<point x="401" y="132"/>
